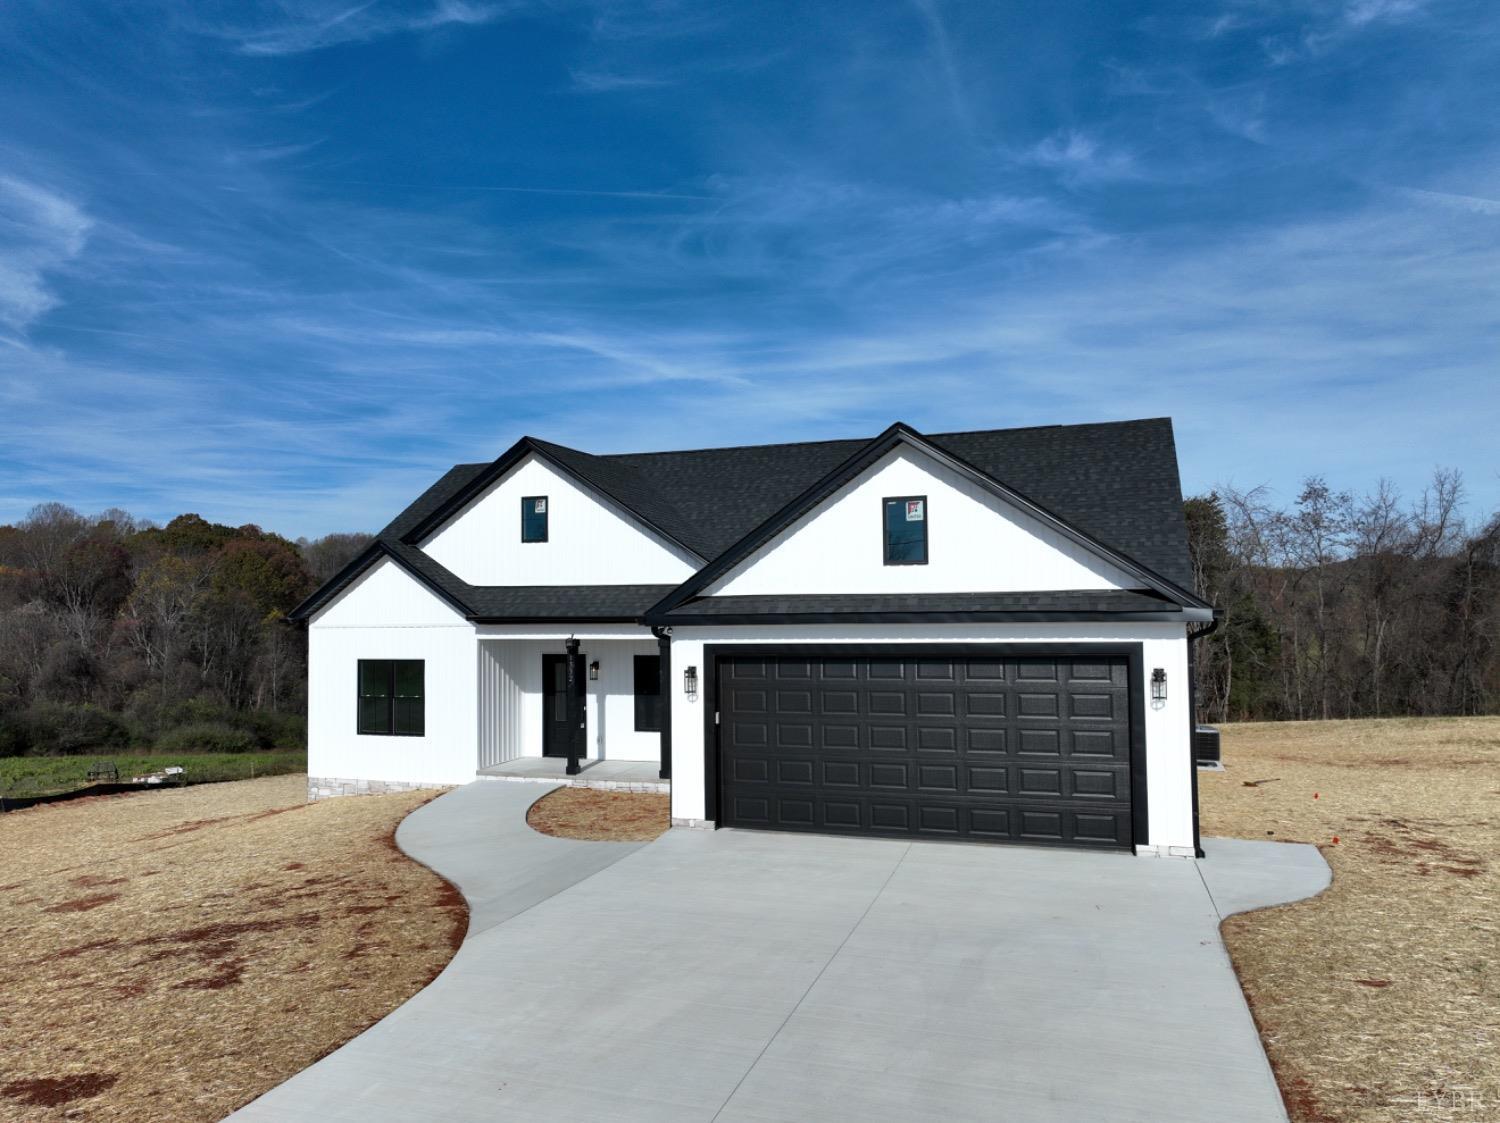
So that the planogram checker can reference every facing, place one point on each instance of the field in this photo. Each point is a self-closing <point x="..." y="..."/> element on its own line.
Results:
<point x="39" y="775"/>
<point x="170" y="955"/>
<point x="1380" y="999"/>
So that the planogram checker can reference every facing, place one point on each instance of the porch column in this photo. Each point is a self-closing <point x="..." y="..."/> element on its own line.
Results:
<point x="575" y="704"/>
<point x="664" y="649"/>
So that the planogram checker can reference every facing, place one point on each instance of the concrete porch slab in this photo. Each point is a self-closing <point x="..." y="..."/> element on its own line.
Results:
<point x="611" y="775"/>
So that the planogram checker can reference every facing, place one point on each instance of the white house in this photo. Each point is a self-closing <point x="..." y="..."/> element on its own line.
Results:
<point x="981" y="636"/>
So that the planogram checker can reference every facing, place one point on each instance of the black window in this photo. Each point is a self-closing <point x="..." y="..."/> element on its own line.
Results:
<point x="906" y="530"/>
<point x="534" y="518"/>
<point x="392" y="698"/>
<point x="648" y="693"/>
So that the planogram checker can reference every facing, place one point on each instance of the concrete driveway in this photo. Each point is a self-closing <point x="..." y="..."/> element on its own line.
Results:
<point x="741" y="976"/>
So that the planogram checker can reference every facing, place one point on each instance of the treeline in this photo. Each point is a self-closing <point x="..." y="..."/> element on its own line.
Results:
<point x="117" y="633"/>
<point x="1339" y="607"/>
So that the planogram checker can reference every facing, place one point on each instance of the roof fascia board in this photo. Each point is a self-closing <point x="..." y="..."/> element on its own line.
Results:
<point x="685" y="619"/>
<point x="502" y="466"/>
<point x="1154" y="580"/>
<point x="788" y="514"/>
<point x="345" y="578"/>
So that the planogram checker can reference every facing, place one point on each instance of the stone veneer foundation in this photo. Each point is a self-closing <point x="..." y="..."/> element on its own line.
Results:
<point x="326" y="787"/>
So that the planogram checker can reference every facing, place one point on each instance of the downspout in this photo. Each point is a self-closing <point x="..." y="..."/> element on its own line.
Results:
<point x="664" y="649"/>
<point x="1193" y="716"/>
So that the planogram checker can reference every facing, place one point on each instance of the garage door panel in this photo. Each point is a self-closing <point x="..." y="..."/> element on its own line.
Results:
<point x="793" y="772"/>
<point x="1033" y="704"/>
<point x="839" y="736"/>
<point x="1029" y="750"/>
<point x="838" y="702"/>
<point x="937" y="738"/>
<point x="984" y="704"/>
<point x="1039" y="742"/>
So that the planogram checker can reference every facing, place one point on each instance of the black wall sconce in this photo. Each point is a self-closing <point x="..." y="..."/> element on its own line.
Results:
<point x="690" y="681"/>
<point x="1158" y="685"/>
<point x="594" y="671"/>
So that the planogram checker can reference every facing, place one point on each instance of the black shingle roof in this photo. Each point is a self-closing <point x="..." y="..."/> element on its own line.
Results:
<point x="493" y="603"/>
<point x="1117" y="482"/>
<point x="1082" y="602"/>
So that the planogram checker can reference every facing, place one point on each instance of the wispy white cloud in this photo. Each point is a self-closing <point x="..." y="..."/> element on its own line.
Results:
<point x="946" y="61"/>
<point x="1333" y="27"/>
<point x="298" y="26"/>
<point x="605" y="82"/>
<point x="1474" y="204"/>
<point x="1081" y="158"/>
<point x="40" y="231"/>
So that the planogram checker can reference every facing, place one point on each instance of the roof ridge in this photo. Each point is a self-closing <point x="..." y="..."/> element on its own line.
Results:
<point x="735" y="448"/>
<point x="871" y="437"/>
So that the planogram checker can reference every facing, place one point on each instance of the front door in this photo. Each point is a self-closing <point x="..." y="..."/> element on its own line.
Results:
<point x="555" y="705"/>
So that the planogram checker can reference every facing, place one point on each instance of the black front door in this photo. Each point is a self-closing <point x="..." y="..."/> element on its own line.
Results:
<point x="555" y="705"/>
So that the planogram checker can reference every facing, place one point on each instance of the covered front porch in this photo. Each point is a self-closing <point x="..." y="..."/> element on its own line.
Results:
<point x="528" y="722"/>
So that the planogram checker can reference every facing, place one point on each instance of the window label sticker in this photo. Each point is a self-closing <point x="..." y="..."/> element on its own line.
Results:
<point x="914" y="513"/>
<point x="541" y="506"/>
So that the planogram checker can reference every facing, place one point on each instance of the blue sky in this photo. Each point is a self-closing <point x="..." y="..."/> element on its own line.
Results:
<point x="285" y="263"/>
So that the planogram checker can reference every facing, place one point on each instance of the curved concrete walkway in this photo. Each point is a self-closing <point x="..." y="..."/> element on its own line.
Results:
<point x="741" y="976"/>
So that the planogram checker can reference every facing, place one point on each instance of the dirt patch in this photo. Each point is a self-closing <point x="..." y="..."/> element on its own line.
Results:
<point x="56" y="1091"/>
<point x="1382" y="992"/>
<point x="83" y="904"/>
<point x="601" y="816"/>
<point x="194" y="992"/>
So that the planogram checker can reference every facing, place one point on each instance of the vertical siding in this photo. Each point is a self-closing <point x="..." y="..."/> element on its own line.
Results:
<point x="589" y="541"/>
<point x="503" y="701"/>
<point x="976" y="543"/>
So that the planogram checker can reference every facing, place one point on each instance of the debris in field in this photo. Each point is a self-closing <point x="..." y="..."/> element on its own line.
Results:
<point x="172" y="772"/>
<point x="1373" y="982"/>
<point x="1258" y="783"/>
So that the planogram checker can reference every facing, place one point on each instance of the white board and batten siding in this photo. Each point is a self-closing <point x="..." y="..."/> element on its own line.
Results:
<point x="1168" y="745"/>
<point x="589" y="540"/>
<point x="388" y="614"/>
<point x="976" y="542"/>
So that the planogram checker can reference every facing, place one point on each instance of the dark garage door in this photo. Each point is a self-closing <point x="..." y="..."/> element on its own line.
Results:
<point x="1032" y="750"/>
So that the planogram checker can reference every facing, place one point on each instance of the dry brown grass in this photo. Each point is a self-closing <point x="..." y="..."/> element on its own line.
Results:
<point x="1380" y="999"/>
<point x="171" y="955"/>
<point x="601" y="816"/>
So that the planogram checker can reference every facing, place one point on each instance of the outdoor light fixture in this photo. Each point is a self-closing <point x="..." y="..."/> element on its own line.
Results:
<point x="594" y="671"/>
<point x="690" y="681"/>
<point x="1158" y="685"/>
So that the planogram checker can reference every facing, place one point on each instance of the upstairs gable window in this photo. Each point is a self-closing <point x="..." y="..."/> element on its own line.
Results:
<point x="534" y="518"/>
<point x="906" y="530"/>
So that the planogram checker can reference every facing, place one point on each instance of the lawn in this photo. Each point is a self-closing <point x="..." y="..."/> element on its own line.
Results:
<point x="39" y="775"/>
<point x="171" y="955"/>
<point x="1378" y="1000"/>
